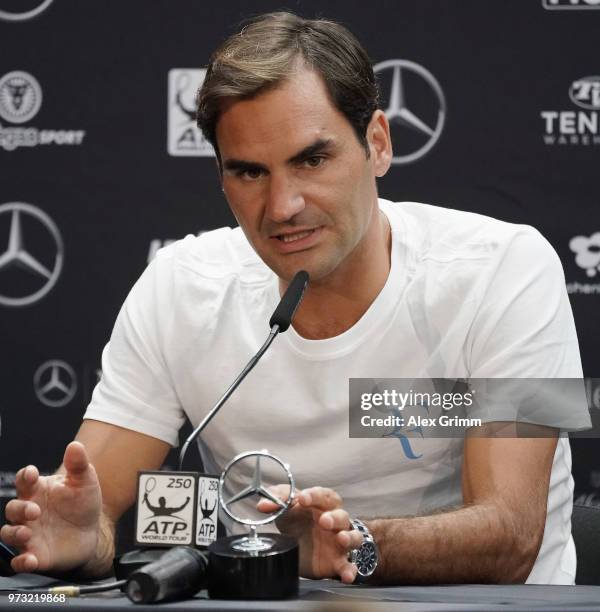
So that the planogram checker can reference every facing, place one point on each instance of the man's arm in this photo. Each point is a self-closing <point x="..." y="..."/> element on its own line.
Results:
<point x="185" y="503"/>
<point x="494" y="538"/>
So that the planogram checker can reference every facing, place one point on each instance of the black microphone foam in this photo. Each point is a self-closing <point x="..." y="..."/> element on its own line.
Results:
<point x="290" y="301"/>
<point x="180" y="573"/>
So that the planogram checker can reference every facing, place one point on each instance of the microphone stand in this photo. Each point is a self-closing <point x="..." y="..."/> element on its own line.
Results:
<point x="234" y="385"/>
<point x="279" y="322"/>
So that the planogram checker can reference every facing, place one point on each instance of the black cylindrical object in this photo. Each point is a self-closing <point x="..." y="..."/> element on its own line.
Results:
<point x="180" y="573"/>
<point x="270" y="574"/>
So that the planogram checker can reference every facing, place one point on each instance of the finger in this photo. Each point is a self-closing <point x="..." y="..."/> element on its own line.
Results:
<point x="76" y="461"/>
<point x="26" y="480"/>
<point x="335" y="520"/>
<point x="320" y="498"/>
<point x="349" y="540"/>
<point x="281" y="491"/>
<point x="15" y="535"/>
<point x="20" y="511"/>
<point x="266" y="506"/>
<point x="26" y="562"/>
<point x="346" y="571"/>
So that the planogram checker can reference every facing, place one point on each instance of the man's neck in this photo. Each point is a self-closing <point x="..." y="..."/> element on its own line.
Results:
<point x="330" y="308"/>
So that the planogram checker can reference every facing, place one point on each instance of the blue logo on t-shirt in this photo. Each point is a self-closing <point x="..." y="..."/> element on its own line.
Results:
<point x="401" y="433"/>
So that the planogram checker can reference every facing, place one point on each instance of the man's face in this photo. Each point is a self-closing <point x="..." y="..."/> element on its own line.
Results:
<point x="297" y="179"/>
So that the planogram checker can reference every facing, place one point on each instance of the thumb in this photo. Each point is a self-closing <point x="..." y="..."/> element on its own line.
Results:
<point x="76" y="461"/>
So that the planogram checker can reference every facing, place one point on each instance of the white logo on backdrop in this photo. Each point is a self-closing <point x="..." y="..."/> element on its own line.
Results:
<point x="20" y="97"/>
<point x="184" y="138"/>
<point x="576" y="127"/>
<point x="20" y="101"/>
<point x="587" y="257"/>
<point x="401" y="113"/>
<point x="587" y="253"/>
<point x="55" y="383"/>
<point x="570" y="4"/>
<point x="17" y="254"/>
<point x="24" y="15"/>
<point x="585" y="92"/>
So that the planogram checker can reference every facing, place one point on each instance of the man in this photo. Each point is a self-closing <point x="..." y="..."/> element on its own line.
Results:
<point x="397" y="290"/>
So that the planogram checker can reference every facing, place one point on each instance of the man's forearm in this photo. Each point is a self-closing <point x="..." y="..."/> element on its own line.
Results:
<point x="477" y="544"/>
<point x="101" y="564"/>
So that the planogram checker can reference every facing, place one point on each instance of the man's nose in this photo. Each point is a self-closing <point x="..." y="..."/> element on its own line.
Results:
<point x="285" y="199"/>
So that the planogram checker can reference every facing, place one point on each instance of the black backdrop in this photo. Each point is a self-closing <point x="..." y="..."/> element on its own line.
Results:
<point x="100" y="163"/>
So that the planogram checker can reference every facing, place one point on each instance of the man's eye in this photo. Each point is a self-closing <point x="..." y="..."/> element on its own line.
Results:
<point x="314" y="162"/>
<point x="251" y="174"/>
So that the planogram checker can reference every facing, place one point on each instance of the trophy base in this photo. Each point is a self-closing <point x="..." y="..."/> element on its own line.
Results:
<point x="253" y="574"/>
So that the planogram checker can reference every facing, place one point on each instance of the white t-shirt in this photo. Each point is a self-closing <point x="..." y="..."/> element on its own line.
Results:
<point x="467" y="296"/>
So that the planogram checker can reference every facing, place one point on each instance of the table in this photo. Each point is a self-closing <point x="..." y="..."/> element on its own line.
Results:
<point x="325" y="595"/>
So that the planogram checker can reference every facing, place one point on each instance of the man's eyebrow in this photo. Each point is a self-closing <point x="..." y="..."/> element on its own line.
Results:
<point x="240" y="165"/>
<point x="320" y="145"/>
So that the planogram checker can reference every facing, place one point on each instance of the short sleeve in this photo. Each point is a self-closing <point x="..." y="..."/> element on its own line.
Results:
<point x="524" y="325"/>
<point x="135" y="390"/>
<point x="524" y="329"/>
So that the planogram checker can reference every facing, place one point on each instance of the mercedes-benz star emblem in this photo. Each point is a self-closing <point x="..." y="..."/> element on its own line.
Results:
<point x="55" y="383"/>
<point x="401" y="110"/>
<point x="39" y="7"/>
<point x="256" y="488"/>
<point x="17" y="254"/>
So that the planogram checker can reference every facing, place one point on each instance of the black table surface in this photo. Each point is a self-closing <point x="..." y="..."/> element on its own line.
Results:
<point x="324" y="595"/>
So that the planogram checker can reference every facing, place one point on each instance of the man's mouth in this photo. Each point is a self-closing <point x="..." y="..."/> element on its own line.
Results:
<point x="294" y="237"/>
<point x="292" y="242"/>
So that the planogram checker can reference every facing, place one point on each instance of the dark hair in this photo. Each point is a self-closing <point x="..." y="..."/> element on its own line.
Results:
<point x="262" y="55"/>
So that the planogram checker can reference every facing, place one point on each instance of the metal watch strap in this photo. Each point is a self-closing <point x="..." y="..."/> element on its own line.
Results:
<point x="360" y="526"/>
<point x="368" y="543"/>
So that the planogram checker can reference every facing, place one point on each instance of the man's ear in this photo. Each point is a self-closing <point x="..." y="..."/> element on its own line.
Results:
<point x="380" y="142"/>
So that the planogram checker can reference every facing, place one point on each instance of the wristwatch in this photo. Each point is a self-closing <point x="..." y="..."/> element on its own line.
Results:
<point x="366" y="556"/>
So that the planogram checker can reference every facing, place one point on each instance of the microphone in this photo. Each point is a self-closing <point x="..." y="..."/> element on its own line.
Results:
<point x="180" y="573"/>
<point x="284" y="313"/>
<point x="279" y="322"/>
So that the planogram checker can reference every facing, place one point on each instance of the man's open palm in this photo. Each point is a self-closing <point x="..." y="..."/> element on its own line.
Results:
<point x="55" y="519"/>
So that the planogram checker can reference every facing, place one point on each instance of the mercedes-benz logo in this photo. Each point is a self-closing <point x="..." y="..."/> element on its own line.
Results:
<point x="18" y="255"/>
<point x="41" y="6"/>
<point x="55" y="383"/>
<point x="428" y="123"/>
<point x="256" y="488"/>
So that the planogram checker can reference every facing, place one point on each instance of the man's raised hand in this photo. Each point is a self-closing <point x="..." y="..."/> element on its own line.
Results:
<point x="55" y="520"/>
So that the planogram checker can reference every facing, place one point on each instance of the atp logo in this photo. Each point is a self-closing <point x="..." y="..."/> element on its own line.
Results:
<point x="184" y="138"/>
<point x="587" y="253"/>
<point x="165" y="508"/>
<point x="208" y="502"/>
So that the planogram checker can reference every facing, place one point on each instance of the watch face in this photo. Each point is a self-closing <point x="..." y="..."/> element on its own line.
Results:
<point x="366" y="560"/>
